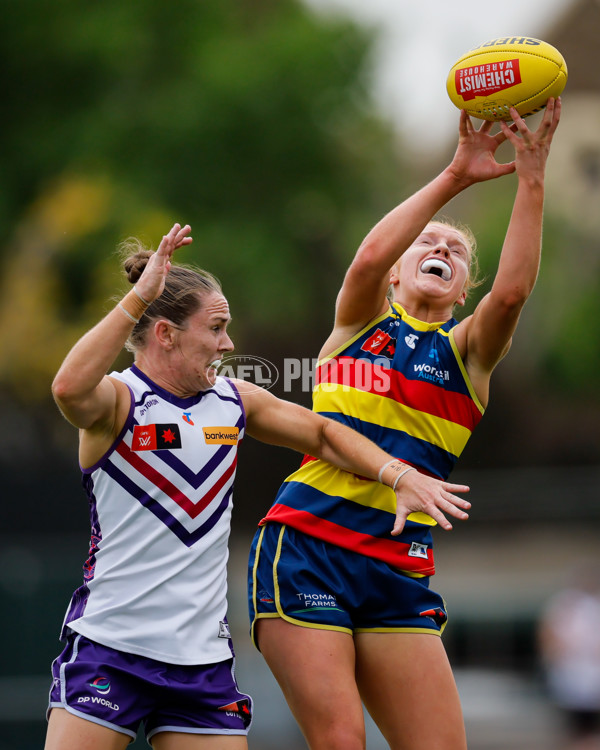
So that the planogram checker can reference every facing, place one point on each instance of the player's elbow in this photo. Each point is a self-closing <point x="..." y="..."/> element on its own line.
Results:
<point x="64" y="390"/>
<point x="369" y="259"/>
<point x="61" y="388"/>
<point x="511" y="300"/>
<point x="326" y="443"/>
<point x="515" y="300"/>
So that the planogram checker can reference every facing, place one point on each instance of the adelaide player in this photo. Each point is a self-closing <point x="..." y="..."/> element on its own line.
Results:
<point x="341" y="608"/>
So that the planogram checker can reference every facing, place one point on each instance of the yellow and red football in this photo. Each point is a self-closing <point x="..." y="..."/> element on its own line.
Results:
<point x="512" y="71"/>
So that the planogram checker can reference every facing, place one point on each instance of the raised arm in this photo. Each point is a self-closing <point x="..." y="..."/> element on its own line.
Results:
<point x="85" y="395"/>
<point x="280" y="422"/>
<point x="485" y="337"/>
<point x="363" y="293"/>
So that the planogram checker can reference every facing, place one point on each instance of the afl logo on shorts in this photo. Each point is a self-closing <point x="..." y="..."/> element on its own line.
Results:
<point x="418" y="550"/>
<point x="221" y="435"/>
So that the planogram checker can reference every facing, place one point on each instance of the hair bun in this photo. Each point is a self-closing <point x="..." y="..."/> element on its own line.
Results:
<point x="134" y="265"/>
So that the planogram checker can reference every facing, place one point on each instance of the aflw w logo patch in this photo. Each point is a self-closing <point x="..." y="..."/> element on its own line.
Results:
<point x="156" y="437"/>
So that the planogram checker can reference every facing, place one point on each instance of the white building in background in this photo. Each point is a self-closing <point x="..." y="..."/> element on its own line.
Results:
<point x="573" y="179"/>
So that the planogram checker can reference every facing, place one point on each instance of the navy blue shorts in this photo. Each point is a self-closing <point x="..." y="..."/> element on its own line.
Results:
<point x="121" y="691"/>
<point x="315" y="584"/>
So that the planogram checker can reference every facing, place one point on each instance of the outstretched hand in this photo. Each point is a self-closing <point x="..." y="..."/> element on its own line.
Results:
<point x="532" y="147"/>
<point x="475" y="157"/>
<point x="418" y="492"/>
<point x="152" y="281"/>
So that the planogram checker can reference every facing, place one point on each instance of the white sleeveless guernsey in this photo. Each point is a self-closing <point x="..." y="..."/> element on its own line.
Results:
<point x="155" y="583"/>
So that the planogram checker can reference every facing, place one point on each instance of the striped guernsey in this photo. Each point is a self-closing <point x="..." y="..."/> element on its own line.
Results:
<point x="402" y="383"/>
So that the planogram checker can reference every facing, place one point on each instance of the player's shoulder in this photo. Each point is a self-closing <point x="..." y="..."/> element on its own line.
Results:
<point x="250" y="392"/>
<point x="344" y="332"/>
<point x="460" y="334"/>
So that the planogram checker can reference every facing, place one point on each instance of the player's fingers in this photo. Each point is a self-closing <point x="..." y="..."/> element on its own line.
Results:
<point x="450" y="487"/>
<point x="449" y="508"/>
<point x="516" y="117"/>
<point x="459" y="502"/>
<point x="556" y="115"/>
<point x="557" y="108"/>
<point x="465" y="126"/>
<point x="401" y="517"/>
<point x="440" y="519"/>
<point x="182" y="237"/>
<point x="167" y="240"/>
<point x="548" y="116"/>
<point x="456" y="511"/>
<point x="526" y="136"/>
<point x="505" y="131"/>
<point x="551" y="116"/>
<point x="175" y="229"/>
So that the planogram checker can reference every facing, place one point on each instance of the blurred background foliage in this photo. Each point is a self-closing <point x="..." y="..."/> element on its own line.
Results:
<point x="248" y="120"/>
<point x="252" y="121"/>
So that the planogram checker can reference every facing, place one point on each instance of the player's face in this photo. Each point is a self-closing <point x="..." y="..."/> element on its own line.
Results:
<point x="201" y="345"/>
<point x="436" y="264"/>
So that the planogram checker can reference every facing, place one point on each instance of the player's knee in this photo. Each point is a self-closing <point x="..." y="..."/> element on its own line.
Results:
<point x="340" y="735"/>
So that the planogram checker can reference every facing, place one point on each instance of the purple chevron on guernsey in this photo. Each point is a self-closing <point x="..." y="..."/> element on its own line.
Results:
<point x="163" y="470"/>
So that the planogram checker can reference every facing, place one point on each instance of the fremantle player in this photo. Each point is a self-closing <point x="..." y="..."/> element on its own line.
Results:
<point x="146" y="635"/>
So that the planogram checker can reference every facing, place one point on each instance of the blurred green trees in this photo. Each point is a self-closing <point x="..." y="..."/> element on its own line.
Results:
<point x="248" y="120"/>
<point x="252" y="121"/>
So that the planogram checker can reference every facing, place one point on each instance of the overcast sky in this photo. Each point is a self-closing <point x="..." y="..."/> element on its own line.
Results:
<point x="418" y="42"/>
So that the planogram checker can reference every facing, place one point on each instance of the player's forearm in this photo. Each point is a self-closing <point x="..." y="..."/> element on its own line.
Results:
<point x="91" y="357"/>
<point x="521" y="252"/>
<point x="351" y="451"/>
<point x="398" y="229"/>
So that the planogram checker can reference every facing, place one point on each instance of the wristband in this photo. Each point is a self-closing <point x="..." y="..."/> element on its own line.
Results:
<point x="134" y="307"/>
<point x="129" y="315"/>
<point x="140" y="296"/>
<point x="399" y="477"/>
<point x="383" y="468"/>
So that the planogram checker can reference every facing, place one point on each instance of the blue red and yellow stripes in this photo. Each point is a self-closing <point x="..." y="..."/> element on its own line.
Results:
<point x="400" y="382"/>
<point x="344" y="374"/>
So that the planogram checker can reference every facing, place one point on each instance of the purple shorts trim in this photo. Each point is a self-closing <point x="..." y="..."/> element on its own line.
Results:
<point x="122" y="691"/>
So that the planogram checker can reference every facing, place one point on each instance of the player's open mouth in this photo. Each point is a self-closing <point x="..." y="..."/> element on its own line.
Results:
<point x="437" y="267"/>
<point x="215" y="365"/>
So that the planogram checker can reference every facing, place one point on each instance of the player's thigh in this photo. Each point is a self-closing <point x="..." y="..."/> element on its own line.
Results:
<point x="315" y="670"/>
<point x="188" y="741"/>
<point x="407" y="685"/>
<point x="69" y="732"/>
